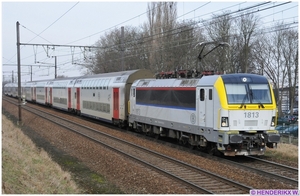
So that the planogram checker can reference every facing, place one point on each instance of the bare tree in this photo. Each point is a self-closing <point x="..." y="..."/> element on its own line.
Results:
<point x="218" y="30"/>
<point x="280" y="61"/>
<point x="108" y="57"/>
<point x="159" y="30"/>
<point x="247" y="25"/>
<point x="290" y="58"/>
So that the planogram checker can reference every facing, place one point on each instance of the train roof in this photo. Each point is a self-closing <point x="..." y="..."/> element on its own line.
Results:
<point x="167" y="82"/>
<point x="244" y="77"/>
<point x="128" y="76"/>
<point x="204" y="81"/>
<point x="180" y="82"/>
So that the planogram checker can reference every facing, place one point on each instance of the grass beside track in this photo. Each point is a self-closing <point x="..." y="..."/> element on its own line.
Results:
<point x="29" y="170"/>
<point x="287" y="152"/>
<point x="27" y="167"/>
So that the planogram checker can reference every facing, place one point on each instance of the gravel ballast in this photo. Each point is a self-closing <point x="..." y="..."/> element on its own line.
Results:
<point x="127" y="175"/>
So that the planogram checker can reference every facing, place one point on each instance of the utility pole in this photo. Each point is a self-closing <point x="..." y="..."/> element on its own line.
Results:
<point x="55" y="66"/>
<point x="122" y="48"/>
<point x="30" y="72"/>
<point x="19" y="72"/>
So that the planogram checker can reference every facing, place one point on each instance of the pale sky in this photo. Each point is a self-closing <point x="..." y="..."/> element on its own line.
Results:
<point x="82" y="23"/>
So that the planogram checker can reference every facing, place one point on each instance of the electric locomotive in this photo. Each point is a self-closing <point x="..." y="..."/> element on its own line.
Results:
<point x="234" y="114"/>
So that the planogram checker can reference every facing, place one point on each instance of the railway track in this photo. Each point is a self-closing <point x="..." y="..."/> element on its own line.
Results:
<point x="278" y="172"/>
<point x="273" y="170"/>
<point x="199" y="180"/>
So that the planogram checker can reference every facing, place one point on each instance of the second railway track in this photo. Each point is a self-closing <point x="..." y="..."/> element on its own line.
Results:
<point x="274" y="170"/>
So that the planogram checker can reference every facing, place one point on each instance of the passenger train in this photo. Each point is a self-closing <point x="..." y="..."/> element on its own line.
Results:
<point x="234" y="114"/>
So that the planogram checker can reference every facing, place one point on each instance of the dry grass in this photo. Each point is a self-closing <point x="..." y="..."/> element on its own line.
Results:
<point x="29" y="170"/>
<point x="284" y="151"/>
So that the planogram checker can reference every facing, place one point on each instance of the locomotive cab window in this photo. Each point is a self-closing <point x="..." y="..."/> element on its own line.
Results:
<point x="248" y="93"/>
<point x="260" y="93"/>
<point x="202" y="94"/>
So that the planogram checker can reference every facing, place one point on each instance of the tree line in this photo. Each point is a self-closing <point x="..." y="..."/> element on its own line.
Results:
<point x="230" y="42"/>
<point x="163" y="43"/>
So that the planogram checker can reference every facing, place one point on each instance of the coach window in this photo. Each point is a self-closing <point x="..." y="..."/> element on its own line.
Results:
<point x="202" y="94"/>
<point x="86" y="86"/>
<point x="100" y="84"/>
<point x="133" y="92"/>
<point x="90" y="84"/>
<point x="97" y="84"/>
<point x="210" y="94"/>
<point x="83" y="85"/>
<point x="104" y="84"/>
<point x="108" y="83"/>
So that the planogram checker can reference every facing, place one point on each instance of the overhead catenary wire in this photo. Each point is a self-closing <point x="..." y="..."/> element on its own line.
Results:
<point x="173" y="31"/>
<point x="38" y="35"/>
<point x="177" y="17"/>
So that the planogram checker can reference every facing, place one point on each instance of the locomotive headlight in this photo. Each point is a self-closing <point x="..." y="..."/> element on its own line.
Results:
<point x="224" y="122"/>
<point x="273" y="122"/>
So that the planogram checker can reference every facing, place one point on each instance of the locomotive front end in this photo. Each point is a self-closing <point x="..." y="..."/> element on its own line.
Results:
<point x="247" y="118"/>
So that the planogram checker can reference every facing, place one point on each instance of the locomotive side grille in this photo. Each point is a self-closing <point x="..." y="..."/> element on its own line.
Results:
<point x="251" y="122"/>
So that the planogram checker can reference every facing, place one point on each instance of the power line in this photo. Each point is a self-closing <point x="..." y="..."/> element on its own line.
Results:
<point x="38" y="35"/>
<point x="54" y="22"/>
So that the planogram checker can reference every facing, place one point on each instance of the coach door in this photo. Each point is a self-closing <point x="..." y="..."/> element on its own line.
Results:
<point x="205" y="109"/>
<point x="116" y="103"/>
<point x="69" y="98"/>
<point x="77" y="97"/>
<point x="46" y="95"/>
<point x="50" y="95"/>
<point x="33" y="93"/>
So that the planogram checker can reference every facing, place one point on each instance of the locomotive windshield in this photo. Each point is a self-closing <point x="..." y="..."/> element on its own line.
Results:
<point x="248" y="93"/>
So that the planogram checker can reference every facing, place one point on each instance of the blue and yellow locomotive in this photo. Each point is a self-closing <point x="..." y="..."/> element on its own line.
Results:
<point x="234" y="114"/>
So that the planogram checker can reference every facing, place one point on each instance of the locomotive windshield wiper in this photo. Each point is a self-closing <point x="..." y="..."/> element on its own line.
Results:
<point x="244" y="99"/>
<point x="252" y="98"/>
